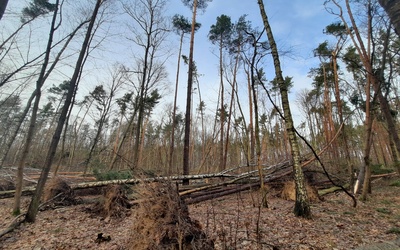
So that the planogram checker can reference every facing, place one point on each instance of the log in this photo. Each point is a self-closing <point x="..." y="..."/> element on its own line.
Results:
<point x="269" y="171"/>
<point x="186" y="192"/>
<point x="190" y="201"/>
<point x="31" y="190"/>
<point x="383" y="175"/>
<point x="10" y="193"/>
<point x="331" y="190"/>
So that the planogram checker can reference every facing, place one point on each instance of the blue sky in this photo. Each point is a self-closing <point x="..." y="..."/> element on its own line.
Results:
<point x="297" y="26"/>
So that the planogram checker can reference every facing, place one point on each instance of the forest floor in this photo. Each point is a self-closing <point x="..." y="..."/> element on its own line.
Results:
<point x="233" y="222"/>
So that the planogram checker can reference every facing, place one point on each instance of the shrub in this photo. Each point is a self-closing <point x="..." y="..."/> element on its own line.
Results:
<point x="395" y="183"/>
<point x="111" y="175"/>
<point x="380" y="169"/>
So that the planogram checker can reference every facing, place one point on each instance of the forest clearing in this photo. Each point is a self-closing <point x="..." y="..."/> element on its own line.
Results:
<point x="283" y="135"/>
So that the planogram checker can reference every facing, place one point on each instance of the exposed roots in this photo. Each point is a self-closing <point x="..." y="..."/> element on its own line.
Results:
<point x="114" y="203"/>
<point x="58" y="193"/>
<point x="162" y="221"/>
<point x="289" y="192"/>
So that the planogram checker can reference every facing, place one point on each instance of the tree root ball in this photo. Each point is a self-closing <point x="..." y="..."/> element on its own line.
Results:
<point x="289" y="192"/>
<point x="114" y="203"/>
<point x="58" y="192"/>
<point x="162" y="221"/>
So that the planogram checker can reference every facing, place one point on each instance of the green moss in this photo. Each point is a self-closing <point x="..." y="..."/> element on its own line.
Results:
<point x="380" y="169"/>
<point x="393" y="230"/>
<point x="395" y="183"/>
<point x="386" y="202"/>
<point x="16" y="212"/>
<point x="383" y="210"/>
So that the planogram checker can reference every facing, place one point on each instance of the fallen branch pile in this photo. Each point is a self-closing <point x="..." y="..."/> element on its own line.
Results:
<point x="229" y="175"/>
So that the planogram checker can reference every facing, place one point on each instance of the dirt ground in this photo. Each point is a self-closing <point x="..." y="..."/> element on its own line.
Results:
<point x="233" y="222"/>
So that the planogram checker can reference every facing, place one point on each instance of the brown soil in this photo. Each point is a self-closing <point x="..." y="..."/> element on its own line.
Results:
<point x="233" y="222"/>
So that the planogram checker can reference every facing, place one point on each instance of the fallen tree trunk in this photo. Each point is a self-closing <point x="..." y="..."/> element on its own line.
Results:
<point x="220" y="194"/>
<point x="331" y="190"/>
<point x="10" y="193"/>
<point x="384" y="175"/>
<point x="31" y="190"/>
<point x="274" y="171"/>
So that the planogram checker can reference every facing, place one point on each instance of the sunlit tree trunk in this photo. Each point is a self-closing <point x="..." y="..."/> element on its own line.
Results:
<point x="233" y="85"/>
<point x="186" y="149"/>
<point x="251" y="150"/>
<point x="222" y="113"/>
<point x="366" y="60"/>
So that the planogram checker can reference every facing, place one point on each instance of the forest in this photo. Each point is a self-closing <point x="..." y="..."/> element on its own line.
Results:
<point x="72" y="107"/>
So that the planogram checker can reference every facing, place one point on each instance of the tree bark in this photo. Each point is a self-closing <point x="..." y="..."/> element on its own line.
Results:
<point x="257" y="126"/>
<point x="186" y="147"/>
<point x="34" y="205"/>
<point x="375" y="79"/>
<point x="32" y="122"/>
<point x="302" y="206"/>
<point x="3" y="6"/>
<point x="343" y="133"/>
<point x="172" y="145"/>
<point x="392" y="8"/>
<point x="222" y="109"/>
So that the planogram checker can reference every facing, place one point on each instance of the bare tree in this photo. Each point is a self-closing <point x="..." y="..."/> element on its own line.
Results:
<point x="302" y="206"/>
<point x="103" y="100"/>
<point x="28" y="105"/>
<point x="32" y="123"/>
<point x="149" y="32"/>
<point x="34" y="204"/>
